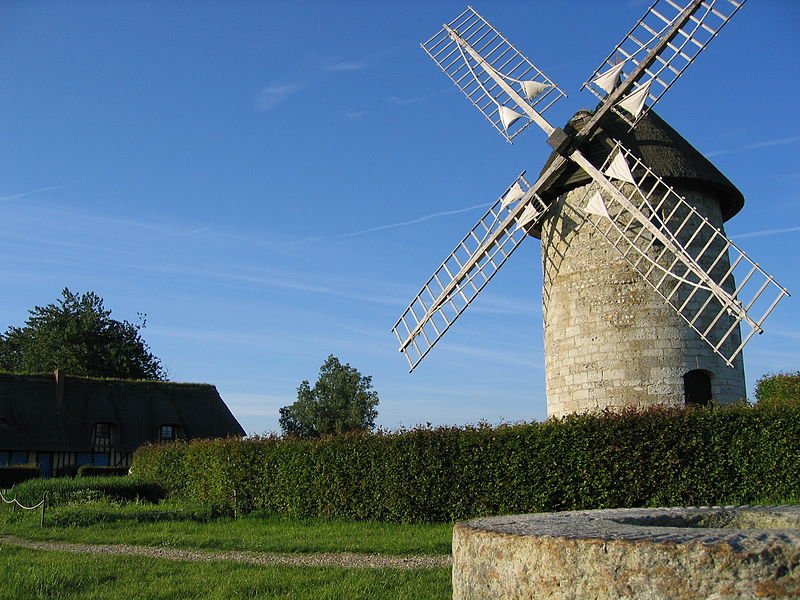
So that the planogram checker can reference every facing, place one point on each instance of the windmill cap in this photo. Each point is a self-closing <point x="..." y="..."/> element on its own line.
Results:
<point x="660" y="147"/>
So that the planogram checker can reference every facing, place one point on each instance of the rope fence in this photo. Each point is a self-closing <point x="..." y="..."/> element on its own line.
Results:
<point x="16" y="503"/>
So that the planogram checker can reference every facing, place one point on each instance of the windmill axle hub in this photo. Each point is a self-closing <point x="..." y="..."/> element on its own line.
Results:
<point x="560" y="141"/>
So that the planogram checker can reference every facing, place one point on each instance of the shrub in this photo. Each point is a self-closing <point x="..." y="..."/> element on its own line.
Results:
<point x="94" y="471"/>
<point x="66" y="471"/>
<point x="164" y="465"/>
<point x="14" y="474"/>
<point x="661" y="456"/>
<point x="105" y="512"/>
<point x="62" y="491"/>
<point x="780" y="388"/>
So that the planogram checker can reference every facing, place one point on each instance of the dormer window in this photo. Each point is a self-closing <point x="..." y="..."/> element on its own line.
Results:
<point x="167" y="433"/>
<point x="101" y="436"/>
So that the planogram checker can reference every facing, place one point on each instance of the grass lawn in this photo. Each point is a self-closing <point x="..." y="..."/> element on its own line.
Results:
<point x="142" y="524"/>
<point x="31" y="574"/>
<point x="53" y="575"/>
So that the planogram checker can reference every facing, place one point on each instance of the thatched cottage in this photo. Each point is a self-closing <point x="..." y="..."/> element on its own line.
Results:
<point x="61" y="422"/>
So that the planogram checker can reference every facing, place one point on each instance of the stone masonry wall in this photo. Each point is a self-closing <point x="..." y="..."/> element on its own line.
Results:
<point x="725" y="553"/>
<point x="610" y="340"/>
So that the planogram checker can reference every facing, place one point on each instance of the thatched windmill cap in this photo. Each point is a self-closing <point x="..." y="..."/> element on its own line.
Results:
<point x="660" y="147"/>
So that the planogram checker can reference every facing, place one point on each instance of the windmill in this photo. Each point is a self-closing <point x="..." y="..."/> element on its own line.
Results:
<point x="615" y="230"/>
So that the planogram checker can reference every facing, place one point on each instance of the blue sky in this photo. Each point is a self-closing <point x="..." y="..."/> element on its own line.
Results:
<point x="272" y="182"/>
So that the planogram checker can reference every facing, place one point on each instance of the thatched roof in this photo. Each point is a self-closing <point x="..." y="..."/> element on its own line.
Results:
<point x="36" y="417"/>
<point x="660" y="147"/>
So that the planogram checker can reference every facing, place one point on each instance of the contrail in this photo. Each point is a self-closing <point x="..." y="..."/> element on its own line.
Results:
<point x="757" y="145"/>
<point x="766" y="232"/>
<point x="23" y="194"/>
<point x="445" y="213"/>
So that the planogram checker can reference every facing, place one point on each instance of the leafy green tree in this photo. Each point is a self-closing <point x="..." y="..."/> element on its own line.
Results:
<point x="77" y="335"/>
<point x="778" y="388"/>
<point x="341" y="400"/>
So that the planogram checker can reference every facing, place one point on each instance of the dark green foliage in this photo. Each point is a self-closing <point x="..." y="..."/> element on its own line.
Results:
<point x="163" y="465"/>
<point x="61" y="491"/>
<point x="341" y="400"/>
<point x="77" y="335"/>
<point x="14" y="474"/>
<point x="658" y="457"/>
<point x="128" y="514"/>
<point x="780" y="388"/>
<point x="66" y="471"/>
<point x="95" y="471"/>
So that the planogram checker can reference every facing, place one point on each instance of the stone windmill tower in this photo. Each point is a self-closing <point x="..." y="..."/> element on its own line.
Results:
<point x="645" y="299"/>
<point x="610" y="339"/>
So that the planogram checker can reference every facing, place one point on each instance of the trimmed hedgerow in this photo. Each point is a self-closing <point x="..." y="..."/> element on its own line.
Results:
<point x="164" y="464"/>
<point x="657" y="457"/>
<point x="96" y="471"/>
<point x="778" y="388"/>
<point x="61" y="491"/>
<point x="14" y="474"/>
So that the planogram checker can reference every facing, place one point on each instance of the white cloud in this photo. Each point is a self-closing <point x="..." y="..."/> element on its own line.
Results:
<point x="276" y="279"/>
<point x="497" y="356"/>
<point x="400" y="101"/>
<point x="765" y="233"/>
<point x="353" y="114"/>
<point x="281" y="280"/>
<point x="758" y="145"/>
<point x="786" y="333"/>
<point x="270" y="96"/>
<point x="209" y="337"/>
<point x="89" y="223"/>
<point x="493" y="304"/>
<point x="435" y="215"/>
<point x="345" y="65"/>
<point x="336" y="64"/>
<point x="12" y="197"/>
<point x="257" y="405"/>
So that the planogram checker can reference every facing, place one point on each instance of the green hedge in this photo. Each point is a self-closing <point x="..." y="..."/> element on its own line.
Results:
<point x="95" y="471"/>
<point x="780" y="388"/>
<point x="659" y="457"/>
<point x="14" y="474"/>
<point x="61" y="491"/>
<point x="104" y="513"/>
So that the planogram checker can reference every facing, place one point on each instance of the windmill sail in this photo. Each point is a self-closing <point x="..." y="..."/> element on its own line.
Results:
<point x="467" y="270"/>
<point x="686" y="259"/>
<point x="664" y="42"/>
<point x="478" y="77"/>
<point x="701" y="273"/>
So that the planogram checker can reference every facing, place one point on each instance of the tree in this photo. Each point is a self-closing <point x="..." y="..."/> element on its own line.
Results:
<point x="78" y="336"/>
<point x="341" y="400"/>
<point x="777" y="389"/>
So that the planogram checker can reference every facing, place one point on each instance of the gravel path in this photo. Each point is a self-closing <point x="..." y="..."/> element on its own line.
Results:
<point x="348" y="560"/>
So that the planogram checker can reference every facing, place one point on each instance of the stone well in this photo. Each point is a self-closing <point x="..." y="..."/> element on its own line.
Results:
<point x="670" y="553"/>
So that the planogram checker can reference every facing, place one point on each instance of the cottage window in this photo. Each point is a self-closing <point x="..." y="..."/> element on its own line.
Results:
<point x="102" y="435"/>
<point x="167" y="433"/>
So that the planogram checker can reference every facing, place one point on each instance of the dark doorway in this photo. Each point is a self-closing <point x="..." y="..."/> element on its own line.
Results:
<point x="697" y="388"/>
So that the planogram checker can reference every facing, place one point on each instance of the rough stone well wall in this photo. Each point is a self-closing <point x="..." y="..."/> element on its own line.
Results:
<point x="725" y="553"/>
